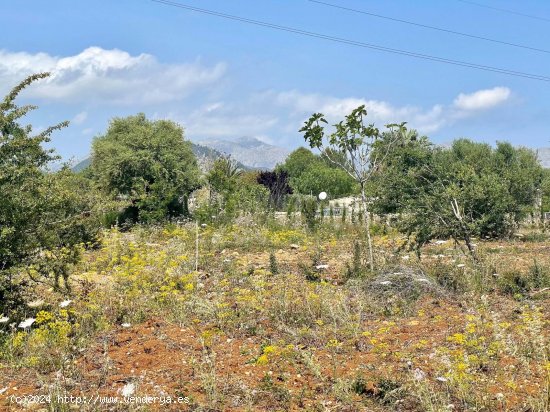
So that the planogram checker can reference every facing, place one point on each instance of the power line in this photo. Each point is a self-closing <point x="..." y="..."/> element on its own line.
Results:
<point x="357" y="43"/>
<point x="517" y="13"/>
<point x="426" y="26"/>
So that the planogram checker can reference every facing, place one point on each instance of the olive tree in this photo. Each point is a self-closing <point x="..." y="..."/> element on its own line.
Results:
<point x="465" y="191"/>
<point x="148" y="163"/>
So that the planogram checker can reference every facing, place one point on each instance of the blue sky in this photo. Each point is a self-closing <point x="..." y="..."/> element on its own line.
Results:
<point x="224" y="79"/>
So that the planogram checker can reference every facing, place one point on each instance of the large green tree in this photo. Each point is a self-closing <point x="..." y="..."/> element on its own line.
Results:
<point x="298" y="162"/>
<point x="468" y="190"/>
<point x="310" y="173"/>
<point x="148" y="163"/>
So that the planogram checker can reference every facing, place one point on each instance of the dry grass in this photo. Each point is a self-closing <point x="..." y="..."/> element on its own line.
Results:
<point x="439" y="334"/>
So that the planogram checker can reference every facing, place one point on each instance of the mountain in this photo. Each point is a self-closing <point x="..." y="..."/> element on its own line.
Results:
<point x="83" y="164"/>
<point x="249" y="151"/>
<point x="544" y="156"/>
<point x="205" y="157"/>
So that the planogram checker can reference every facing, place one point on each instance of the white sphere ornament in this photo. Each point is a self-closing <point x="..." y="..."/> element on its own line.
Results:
<point x="322" y="195"/>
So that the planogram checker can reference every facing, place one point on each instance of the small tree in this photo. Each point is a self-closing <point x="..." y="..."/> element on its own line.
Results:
<point x="355" y="148"/>
<point x="278" y="184"/>
<point x="545" y="191"/>
<point x="223" y="181"/>
<point x="224" y="175"/>
<point x="309" y="211"/>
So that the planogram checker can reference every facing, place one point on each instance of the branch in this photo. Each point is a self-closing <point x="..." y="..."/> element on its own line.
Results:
<point x="343" y="167"/>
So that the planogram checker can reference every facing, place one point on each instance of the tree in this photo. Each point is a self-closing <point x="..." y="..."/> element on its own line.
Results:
<point x="43" y="217"/>
<point x="351" y="147"/>
<point x="311" y="174"/>
<point x="298" y="162"/>
<point x="394" y="186"/>
<point x="520" y="167"/>
<point x="223" y="181"/>
<point x="147" y="162"/>
<point x="224" y="175"/>
<point x="278" y="185"/>
<point x="320" y="178"/>
<point x="470" y="190"/>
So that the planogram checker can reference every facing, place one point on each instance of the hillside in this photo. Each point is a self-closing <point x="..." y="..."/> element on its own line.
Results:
<point x="205" y="156"/>
<point x="544" y="156"/>
<point x="250" y="151"/>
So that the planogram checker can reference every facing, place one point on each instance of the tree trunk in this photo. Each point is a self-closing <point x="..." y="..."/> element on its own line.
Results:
<point x="367" y="221"/>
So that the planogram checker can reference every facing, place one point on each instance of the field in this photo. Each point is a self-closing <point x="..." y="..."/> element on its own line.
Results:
<point x="274" y="317"/>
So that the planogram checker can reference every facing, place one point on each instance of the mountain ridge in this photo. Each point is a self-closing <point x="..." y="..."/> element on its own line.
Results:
<point x="543" y="154"/>
<point x="250" y="151"/>
<point x="205" y="158"/>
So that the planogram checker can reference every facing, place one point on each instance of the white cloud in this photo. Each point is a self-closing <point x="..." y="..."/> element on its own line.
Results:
<point x="482" y="99"/>
<point x="107" y="76"/>
<point x="426" y="120"/>
<point x="273" y="115"/>
<point x="213" y="107"/>
<point x="80" y="118"/>
<point x="231" y="123"/>
<point x="378" y="112"/>
<point x="97" y="77"/>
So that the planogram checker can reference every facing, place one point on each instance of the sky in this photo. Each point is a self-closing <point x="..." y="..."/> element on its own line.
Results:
<point x="224" y="79"/>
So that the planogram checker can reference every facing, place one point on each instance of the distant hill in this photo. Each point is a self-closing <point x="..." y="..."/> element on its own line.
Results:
<point x="205" y="157"/>
<point x="544" y="156"/>
<point x="83" y="164"/>
<point x="249" y="151"/>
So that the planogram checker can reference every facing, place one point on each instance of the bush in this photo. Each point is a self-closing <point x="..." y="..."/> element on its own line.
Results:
<point x="514" y="284"/>
<point x="309" y="211"/>
<point x="355" y="269"/>
<point x="539" y="275"/>
<point x="519" y="284"/>
<point x="44" y="217"/>
<point x="273" y="265"/>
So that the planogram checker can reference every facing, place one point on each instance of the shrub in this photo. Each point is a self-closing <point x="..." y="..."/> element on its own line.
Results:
<point x="355" y="268"/>
<point x="44" y="217"/>
<point x="273" y="265"/>
<point x="539" y="275"/>
<point x="309" y="211"/>
<point x="514" y="283"/>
